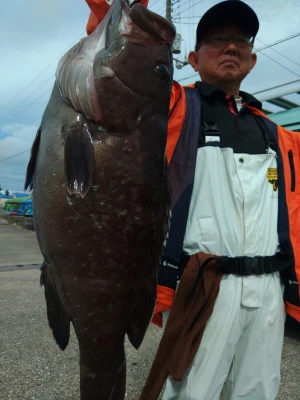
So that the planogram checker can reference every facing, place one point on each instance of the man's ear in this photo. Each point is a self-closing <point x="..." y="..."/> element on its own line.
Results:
<point x="252" y="61"/>
<point x="193" y="60"/>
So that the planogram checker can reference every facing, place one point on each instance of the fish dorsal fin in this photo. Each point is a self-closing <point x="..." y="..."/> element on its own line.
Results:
<point x="32" y="161"/>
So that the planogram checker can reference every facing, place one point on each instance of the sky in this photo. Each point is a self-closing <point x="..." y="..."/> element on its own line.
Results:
<point x="36" y="33"/>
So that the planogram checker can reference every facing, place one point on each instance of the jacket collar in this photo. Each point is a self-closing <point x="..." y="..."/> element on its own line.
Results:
<point x="212" y="93"/>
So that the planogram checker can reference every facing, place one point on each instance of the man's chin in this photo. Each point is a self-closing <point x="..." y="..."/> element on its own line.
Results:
<point x="231" y="76"/>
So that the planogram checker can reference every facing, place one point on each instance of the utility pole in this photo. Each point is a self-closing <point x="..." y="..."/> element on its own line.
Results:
<point x="176" y="49"/>
<point x="177" y="41"/>
<point x="169" y="10"/>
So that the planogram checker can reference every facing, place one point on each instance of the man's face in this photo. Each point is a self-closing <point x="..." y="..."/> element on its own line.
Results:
<point x="221" y="60"/>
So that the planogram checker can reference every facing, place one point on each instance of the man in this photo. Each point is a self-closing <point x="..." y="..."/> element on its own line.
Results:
<point x="236" y="201"/>
<point x="240" y="202"/>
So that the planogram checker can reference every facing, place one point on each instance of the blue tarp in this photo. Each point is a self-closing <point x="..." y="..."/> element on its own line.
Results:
<point x="20" y="194"/>
<point x="6" y="196"/>
<point x="21" y="206"/>
<point x="26" y="208"/>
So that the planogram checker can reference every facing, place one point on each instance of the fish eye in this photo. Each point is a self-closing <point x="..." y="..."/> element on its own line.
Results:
<point x="161" y="71"/>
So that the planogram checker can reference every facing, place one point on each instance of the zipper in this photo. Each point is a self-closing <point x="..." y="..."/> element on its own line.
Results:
<point x="293" y="173"/>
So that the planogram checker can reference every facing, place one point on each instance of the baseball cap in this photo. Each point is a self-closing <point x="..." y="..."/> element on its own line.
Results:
<point x="229" y="11"/>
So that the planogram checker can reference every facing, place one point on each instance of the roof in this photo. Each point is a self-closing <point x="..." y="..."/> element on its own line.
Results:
<point x="282" y="103"/>
<point x="289" y="119"/>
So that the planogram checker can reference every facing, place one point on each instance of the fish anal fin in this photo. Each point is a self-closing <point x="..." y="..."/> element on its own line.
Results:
<point x="58" y="318"/>
<point x="142" y="314"/>
<point x="32" y="161"/>
<point x="79" y="157"/>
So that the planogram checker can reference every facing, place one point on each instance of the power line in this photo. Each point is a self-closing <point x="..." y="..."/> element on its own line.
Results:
<point x="281" y="65"/>
<point x="270" y="46"/>
<point x="161" y="10"/>
<point x="277" y="86"/>
<point x="185" y="23"/>
<point x="21" y="102"/>
<point x="186" y="9"/>
<point x="14" y="155"/>
<point x="152" y="4"/>
<point x="36" y="77"/>
<point x="192" y="17"/>
<point x="267" y="46"/>
<point x="188" y="77"/>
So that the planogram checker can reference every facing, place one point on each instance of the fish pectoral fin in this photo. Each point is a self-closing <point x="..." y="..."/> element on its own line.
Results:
<point x="32" y="161"/>
<point x="79" y="157"/>
<point x="58" y="318"/>
<point x="142" y="315"/>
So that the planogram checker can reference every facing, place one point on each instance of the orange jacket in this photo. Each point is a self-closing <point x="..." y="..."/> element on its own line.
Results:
<point x="287" y="141"/>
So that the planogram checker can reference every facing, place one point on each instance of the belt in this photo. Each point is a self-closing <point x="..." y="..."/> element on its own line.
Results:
<point x="255" y="265"/>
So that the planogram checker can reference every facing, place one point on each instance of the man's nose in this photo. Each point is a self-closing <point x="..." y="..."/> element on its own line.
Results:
<point x="231" y="46"/>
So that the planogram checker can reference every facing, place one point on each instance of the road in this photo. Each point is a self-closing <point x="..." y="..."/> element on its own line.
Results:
<point x="33" y="367"/>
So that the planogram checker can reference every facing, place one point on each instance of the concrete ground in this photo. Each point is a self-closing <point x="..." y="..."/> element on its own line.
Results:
<point x="32" y="366"/>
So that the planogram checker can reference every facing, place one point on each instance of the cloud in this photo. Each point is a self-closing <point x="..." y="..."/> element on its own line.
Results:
<point x="35" y="35"/>
<point x="14" y="154"/>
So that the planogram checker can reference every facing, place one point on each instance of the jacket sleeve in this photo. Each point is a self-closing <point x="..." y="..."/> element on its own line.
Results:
<point x="165" y="293"/>
<point x="289" y="143"/>
<point x="177" y="111"/>
<point x="289" y="146"/>
<point x="98" y="10"/>
<point x="165" y="297"/>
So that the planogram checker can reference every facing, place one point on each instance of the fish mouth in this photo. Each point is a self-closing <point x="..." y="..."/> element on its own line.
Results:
<point x="149" y="26"/>
<point x="137" y="24"/>
<point x="109" y="73"/>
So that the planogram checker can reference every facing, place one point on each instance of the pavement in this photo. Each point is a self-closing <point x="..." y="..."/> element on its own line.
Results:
<point x="31" y="365"/>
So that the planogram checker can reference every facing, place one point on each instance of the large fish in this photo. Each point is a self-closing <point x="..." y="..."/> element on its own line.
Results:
<point x="100" y="192"/>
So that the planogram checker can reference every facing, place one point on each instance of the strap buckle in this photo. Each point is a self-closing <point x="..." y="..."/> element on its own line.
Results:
<point x="250" y="265"/>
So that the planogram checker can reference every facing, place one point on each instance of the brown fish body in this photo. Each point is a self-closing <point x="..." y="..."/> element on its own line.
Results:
<point x="101" y="223"/>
